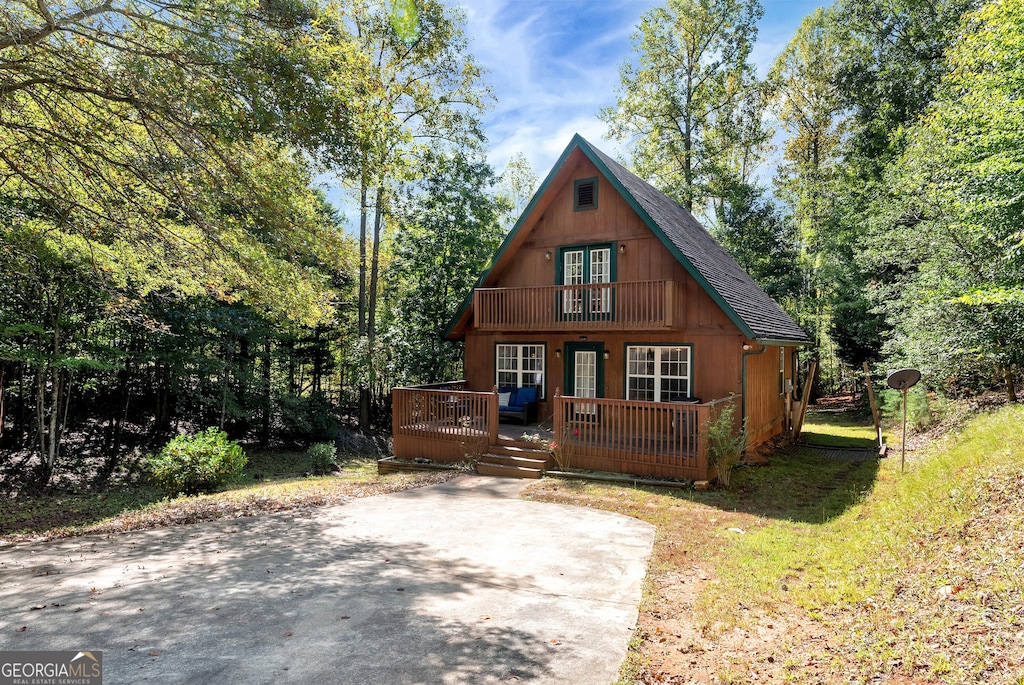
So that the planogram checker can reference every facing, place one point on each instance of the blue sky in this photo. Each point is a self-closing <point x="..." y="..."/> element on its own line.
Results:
<point x="554" y="64"/>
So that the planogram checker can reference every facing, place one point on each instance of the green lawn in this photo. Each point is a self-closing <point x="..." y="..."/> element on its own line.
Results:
<point x="834" y="571"/>
<point x="840" y="429"/>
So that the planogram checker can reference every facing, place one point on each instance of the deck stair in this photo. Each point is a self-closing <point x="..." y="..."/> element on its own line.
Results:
<point x="513" y="459"/>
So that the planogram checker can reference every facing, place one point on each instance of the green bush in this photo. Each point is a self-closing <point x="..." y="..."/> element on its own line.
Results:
<point x="924" y="409"/>
<point x="199" y="463"/>
<point x="321" y="457"/>
<point x="725" y="443"/>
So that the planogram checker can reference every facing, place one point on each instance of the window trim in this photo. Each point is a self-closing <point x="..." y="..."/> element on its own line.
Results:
<point x="657" y="376"/>
<point x="576" y="206"/>
<point x="542" y="394"/>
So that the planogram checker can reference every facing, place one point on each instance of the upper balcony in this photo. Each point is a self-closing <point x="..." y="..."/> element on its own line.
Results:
<point x="639" y="305"/>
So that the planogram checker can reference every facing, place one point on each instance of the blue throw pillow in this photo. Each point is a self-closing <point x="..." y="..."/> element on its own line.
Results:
<point x="526" y="395"/>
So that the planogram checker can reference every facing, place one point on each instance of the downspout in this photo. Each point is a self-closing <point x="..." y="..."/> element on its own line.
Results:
<point x="743" y="383"/>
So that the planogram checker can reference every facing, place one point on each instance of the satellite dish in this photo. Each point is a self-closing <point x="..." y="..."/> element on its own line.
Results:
<point x="903" y="379"/>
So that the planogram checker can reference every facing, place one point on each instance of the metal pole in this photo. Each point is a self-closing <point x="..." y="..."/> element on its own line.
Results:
<point x="903" y="445"/>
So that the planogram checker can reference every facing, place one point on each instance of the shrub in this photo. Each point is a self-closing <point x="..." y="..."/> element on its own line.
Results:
<point x="725" y="443"/>
<point x="321" y="457"/>
<point x="198" y="463"/>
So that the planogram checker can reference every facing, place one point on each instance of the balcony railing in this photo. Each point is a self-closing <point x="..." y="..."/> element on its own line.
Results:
<point x="638" y="305"/>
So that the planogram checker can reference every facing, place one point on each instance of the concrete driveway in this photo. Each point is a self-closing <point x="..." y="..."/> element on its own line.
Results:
<point x="455" y="583"/>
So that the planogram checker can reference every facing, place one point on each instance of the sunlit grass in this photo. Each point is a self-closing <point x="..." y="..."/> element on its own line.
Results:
<point x="916" y="573"/>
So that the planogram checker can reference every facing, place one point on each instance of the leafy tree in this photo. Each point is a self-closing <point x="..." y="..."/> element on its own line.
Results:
<point x="449" y="228"/>
<point x="762" y="240"/>
<point x="693" y="104"/>
<point x="171" y="132"/>
<point x="423" y="87"/>
<point x="952" y="232"/>
<point x="517" y="183"/>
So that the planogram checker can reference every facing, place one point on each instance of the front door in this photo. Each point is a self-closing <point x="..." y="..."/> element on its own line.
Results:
<point x="584" y="374"/>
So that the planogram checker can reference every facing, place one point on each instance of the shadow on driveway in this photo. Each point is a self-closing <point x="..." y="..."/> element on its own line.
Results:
<point x="458" y="583"/>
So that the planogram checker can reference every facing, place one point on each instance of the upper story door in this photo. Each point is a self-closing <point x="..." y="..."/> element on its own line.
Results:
<point x="583" y="266"/>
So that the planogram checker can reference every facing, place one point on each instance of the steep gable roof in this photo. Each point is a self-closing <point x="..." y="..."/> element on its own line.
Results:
<point x="753" y="311"/>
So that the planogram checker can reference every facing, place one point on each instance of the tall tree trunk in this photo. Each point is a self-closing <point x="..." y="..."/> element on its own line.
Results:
<point x="3" y="368"/>
<point x="378" y="220"/>
<point x="362" y="258"/>
<point x="368" y="304"/>
<point x="1011" y="388"/>
<point x="265" y="427"/>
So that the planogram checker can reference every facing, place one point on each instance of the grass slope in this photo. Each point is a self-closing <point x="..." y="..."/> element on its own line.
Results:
<point x="819" y="571"/>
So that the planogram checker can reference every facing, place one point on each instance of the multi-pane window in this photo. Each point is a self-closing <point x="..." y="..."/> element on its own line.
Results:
<point x="521" y="366"/>
<point x="587" y="265"/>
<point x="658" y="373"/>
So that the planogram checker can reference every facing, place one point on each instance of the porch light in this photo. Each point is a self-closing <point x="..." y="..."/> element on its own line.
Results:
<point x="607" y="355"/>
<point x="547" y="255"/>
<point x="622" y="248"/>
<point x="747" y="347"/>
<point x="558" y="352"/>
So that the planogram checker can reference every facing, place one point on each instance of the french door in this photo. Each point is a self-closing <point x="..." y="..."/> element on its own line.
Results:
<point x="583" y="266"/>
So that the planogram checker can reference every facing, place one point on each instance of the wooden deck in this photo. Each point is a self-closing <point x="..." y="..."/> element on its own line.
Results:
<point x="448" y="424"/>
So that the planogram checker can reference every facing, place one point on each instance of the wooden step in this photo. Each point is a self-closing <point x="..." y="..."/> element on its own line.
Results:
<point x="505" y="449"/>
<point x="509" y="460"/>
<point x="485" y="469"/>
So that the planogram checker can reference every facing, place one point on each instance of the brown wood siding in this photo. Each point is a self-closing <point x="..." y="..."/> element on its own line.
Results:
<point x="765" y="405"/>
<point x="715" y="372"/>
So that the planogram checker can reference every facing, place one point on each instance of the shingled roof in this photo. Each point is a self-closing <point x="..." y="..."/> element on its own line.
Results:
<point x="753" y="311"/>
<point x="750" y="308"/>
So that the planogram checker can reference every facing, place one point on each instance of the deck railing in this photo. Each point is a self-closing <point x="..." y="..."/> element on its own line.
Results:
<point x="443" y="422"/>
<point x="625" y="436"/>
<point x="598" y="306"/>
<point x="447" y="423"/>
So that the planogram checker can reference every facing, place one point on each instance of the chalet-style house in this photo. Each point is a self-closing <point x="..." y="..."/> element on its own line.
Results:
<point x="612" y="309"/>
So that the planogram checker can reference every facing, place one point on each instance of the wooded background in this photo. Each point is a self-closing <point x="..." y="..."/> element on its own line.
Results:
<point x="167" y="262"/>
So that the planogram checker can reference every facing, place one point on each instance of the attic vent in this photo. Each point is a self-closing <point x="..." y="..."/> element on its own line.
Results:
<point x="585" y="195"/>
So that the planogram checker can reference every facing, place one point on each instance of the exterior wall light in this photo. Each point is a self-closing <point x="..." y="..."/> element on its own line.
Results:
<point x="622" y="248"/>
<point x="547" y="255"/>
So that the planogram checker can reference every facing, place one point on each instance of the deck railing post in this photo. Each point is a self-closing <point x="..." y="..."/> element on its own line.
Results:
<point x="557" y="427"/>
<point x="492" y="417"/>
<point x="703" y="416"/>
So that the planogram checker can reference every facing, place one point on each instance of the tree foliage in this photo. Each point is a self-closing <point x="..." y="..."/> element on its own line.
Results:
<point x="449" y="227"/>
<point x="176" y="140"/>
<point x="951" y="231"/>
<point x="692" y="105"/>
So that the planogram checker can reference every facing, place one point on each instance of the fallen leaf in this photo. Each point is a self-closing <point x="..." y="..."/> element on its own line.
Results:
<point x="555" y="642"/>
<point x="289" y="634"/>
<point x="41" y="606"/>
<point x="345" y="617"/>
<point x="155" y="652"/>
<point x="21" y="629"/>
